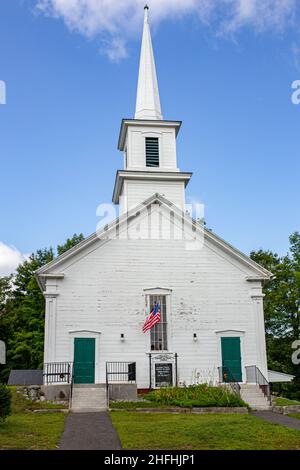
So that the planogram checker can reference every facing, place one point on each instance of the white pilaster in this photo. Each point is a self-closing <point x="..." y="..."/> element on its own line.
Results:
<point x="258" y="312"/>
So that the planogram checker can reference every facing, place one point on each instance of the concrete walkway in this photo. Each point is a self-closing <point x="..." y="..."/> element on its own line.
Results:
<point x="89" y="431"/>
<point x="276" y="418"/>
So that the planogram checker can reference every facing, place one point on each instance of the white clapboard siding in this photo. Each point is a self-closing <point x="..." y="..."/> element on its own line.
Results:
<point x="136" y="158"/>
<point x="102" y="294"/>
<point x="138" y="191"/>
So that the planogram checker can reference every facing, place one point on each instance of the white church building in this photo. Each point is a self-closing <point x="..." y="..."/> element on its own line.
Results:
<point x="99" y="293"/>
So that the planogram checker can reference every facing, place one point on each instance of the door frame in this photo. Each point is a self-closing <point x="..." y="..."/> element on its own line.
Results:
<point x="232" y="334"/>
<point x="87" y="334"/>
<point x="84" y="354"/>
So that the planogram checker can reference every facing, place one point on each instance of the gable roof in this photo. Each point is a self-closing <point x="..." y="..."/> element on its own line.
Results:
<point x="103" y="235"/>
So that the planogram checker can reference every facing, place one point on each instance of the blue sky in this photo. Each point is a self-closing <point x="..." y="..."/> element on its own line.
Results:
<point x="71" y="79"/>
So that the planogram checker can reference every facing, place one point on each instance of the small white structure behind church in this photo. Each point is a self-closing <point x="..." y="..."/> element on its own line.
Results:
<point x="99" y="293"/>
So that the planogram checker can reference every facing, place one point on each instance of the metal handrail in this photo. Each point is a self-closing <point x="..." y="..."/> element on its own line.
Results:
<point x="254" y="375"/>
<point x="71" y="389"/>
<point x="226" y="376"/>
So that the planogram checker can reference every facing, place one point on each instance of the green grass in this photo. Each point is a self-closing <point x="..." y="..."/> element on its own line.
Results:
<point x="294" y="415"/>
<point x="31" y="431"/>
<point x="20" y="403"/>
<point x="281" y="401"/>
<point x="191" y="432"/>
<point x="135" y="404"/>
<point x="25" y="430"/>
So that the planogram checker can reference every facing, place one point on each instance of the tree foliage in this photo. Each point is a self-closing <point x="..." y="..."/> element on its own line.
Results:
<point x="22" y="311"/>
<point x="5" y="402"/>
<point x="282" y="309"/>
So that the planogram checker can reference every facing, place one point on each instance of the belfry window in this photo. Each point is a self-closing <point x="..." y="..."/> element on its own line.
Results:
<point x="152" y="151"/>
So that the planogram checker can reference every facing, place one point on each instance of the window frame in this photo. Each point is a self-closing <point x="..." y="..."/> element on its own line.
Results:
<point x="158" y="149"/>
<point x="167" y="294"/>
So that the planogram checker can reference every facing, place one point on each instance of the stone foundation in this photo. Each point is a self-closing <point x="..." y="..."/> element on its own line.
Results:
<point x="123" y="392"/>
<point x="286" y="410"/>
<point x="32" y="392"/>
<point x="57" y="392"/>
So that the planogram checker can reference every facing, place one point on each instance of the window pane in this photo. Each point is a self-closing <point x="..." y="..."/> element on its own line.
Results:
<point x="158" y="334"/>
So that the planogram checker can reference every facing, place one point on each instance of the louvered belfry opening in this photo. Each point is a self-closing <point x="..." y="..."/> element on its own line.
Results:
<point x="152" y="151"/>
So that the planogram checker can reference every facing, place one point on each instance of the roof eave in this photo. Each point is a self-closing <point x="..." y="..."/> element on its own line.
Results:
<point x="142" y="122"/>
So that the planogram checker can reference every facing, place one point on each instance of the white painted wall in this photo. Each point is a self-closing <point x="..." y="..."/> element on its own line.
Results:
<point x="137" y="191"/>
<point x="103" y="292"/>
<point x="136" y="156"/>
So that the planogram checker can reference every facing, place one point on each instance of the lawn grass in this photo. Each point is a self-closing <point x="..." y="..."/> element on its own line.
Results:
<point x="281" y="401"/>
<point x="25" y="430"/>
<point x="201" y="432"/>
<point x="31" y="431"/>
<point x="294" y="415"/>
<point x="136" y="404"/>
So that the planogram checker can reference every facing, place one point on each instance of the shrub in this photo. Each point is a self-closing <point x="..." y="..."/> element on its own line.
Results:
<point x="196" y="395"/>
<point x="5" y="402"/>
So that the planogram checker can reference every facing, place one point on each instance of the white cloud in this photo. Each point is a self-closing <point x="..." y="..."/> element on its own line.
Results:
<point x="115" y="49"/>
<point x="10" y="258"/>
<point x="115" y="21"/>
<point x="295" y="51"/>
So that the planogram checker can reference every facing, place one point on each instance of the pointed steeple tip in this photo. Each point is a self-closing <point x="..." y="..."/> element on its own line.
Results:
<point x="146" y="9"/>
<point x="147" y="100"/>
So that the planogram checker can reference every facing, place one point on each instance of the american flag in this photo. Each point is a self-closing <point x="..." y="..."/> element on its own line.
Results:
<point x="153" y="318"/>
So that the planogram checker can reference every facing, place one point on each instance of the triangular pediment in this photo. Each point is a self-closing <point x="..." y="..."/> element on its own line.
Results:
<point x="194" y="231"/>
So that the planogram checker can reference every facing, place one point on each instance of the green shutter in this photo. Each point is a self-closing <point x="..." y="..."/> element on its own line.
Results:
<point x="152" y="151"/>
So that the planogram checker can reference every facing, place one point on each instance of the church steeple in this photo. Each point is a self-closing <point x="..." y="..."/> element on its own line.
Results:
<point x="148" y="143"/>
<point x="147" y="100"/>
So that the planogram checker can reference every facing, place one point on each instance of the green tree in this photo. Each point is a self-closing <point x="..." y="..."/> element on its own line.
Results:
<point x="22" y="311"/>
<point x="282" y="309"/>
<point x="70" y="242"/>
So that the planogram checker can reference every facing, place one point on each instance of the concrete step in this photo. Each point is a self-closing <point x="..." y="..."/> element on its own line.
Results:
<point x="247" y="387"/>
<point x="253" y="395"/>
<point x="262" y="408"/>
<point x="88" y="410"/>
<point x="88" y="398"/>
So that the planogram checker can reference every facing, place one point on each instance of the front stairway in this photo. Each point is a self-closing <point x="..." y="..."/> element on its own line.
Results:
<point x="88" y="398"/>
<point x="254" y="397"/>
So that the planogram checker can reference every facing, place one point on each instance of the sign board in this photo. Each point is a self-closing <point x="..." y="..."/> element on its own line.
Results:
<point x="164" y="374"/>
<point x="2" y="353"/>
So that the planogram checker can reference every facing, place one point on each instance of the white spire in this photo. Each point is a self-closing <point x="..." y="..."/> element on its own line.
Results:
<point x="147" y="100"/>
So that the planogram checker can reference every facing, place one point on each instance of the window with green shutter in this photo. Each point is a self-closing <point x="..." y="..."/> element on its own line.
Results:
<point x="152" y="151"/>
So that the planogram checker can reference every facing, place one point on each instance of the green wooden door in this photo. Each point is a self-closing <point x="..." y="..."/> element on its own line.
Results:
<point x="231" y="359"/>
<point x="84" y="360"/>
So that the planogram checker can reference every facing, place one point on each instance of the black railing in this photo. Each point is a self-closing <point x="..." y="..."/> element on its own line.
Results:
<point x="57" y="372"/>
<point x="120" y="372"/>
<point x="254" y="375"/>
<point x="117" y="372"/>
<point x="71" y="388"/>
<point x="227" y="376"/>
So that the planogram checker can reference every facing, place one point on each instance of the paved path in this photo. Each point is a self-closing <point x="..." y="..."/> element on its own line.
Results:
<point x="277" y="418"/>
<point x="89" y="431"/>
